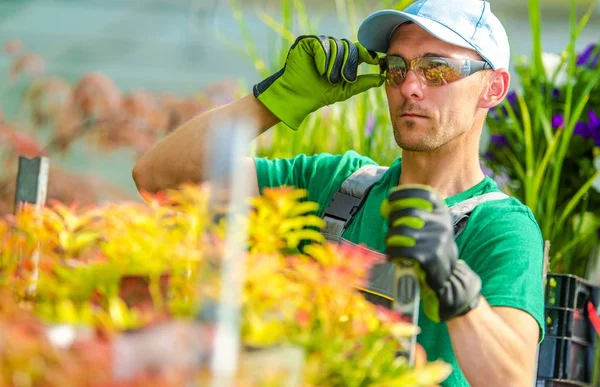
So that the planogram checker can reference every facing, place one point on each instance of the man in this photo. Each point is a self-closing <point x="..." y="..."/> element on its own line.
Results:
<point x="445" y="66"/>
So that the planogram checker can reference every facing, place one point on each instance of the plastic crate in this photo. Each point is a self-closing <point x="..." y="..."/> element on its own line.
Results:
<point x="559" y="383"/>
<point x="567" y="359"/>
<point x="571" y="324"/>
<point x="570" y="292"/>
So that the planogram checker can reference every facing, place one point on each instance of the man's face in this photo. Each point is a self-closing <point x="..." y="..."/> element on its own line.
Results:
<point x="426" y="118"/>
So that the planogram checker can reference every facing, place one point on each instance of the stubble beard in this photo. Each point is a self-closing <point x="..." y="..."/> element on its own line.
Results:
<point x="418" y="135"/>
<point x="430" y="137"/>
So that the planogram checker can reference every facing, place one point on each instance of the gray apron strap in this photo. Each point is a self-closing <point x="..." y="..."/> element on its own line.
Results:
<point x="382" y="276"/>
<point x="460" y="212"/>
<point x="348" y="199"/>
<point x="392" y="286"/>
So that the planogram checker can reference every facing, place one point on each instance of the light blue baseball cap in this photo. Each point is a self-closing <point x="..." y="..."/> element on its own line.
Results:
<point x="464" y="23"/>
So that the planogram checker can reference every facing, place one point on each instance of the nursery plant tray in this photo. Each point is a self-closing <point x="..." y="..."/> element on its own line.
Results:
<point x="570" y="292"/>
<point x="559" y="383"/>
<point x="567" y="360"/>
<point x="571" y="324"/>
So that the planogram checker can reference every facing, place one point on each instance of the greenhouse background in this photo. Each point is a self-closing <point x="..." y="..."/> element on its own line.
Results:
<point x="183" y="46"/>
<point x="94" y="84"/>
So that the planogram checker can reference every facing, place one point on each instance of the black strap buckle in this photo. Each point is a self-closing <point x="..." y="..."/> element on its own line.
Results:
<point x="342" y="206"/>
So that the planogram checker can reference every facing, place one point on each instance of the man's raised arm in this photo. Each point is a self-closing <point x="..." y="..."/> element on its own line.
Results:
<point x="318" y="71"/>
<point x="179" y="157"/>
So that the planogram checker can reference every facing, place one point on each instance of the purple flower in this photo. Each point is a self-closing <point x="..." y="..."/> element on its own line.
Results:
<point x="558" y="121"/>
<point x="502" y="179"/>
<point x="498" y="140"/>
<point x="493" y="113"/>
<point x="370" y="125"/>
<point x="581" y="129"/>
<point x="486" y="170"/>
<point x="511" y="97"/>
<point x="488" y="155"/>
<point x="584" y="59"/>
<point x="555" y="93"/>
<point x="594" y="119"/>
<point x="589" y="130"/>
<point x="594" y="127"/>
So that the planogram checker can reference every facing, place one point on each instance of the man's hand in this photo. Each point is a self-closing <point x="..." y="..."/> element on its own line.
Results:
<point x="420" y="230"/>
<point x="318" y="71"/>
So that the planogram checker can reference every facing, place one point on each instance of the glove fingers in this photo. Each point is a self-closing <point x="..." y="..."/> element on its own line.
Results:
<point x="406" y="207"/>
<point x="320" y="48"/>
<point x="411" y="220"/>
<point x="422" y="255"/>
<point x="423" y="192"/>
<point x="402" y="236"/>
<point x="334" y="73"/>
<point x="363" y="83"/>
<point x="422" y="222"/>
<point x="459" y="292"/>
<point x="406" y="216"/>
<point x="350" y="65"/>
<point x="420" y="196"/>
<point x="366" y="56"/>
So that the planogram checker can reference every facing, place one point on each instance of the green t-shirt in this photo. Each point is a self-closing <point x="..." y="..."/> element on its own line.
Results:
<point x="501" y="242"/>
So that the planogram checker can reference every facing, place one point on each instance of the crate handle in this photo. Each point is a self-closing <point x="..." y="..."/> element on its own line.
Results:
<point x="594" y="318"/>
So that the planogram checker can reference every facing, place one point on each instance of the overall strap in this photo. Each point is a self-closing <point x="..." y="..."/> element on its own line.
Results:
<point x="460" y="212"/>
<point x="347" y="201"/>
<point x="354" y="190"/>
<point x="349" y="198"/>
<point x="382" y="276"/>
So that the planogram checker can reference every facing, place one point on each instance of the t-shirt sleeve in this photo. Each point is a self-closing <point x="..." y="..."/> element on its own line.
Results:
<point x="507" y="253"/>
<point x="321" y="174"/>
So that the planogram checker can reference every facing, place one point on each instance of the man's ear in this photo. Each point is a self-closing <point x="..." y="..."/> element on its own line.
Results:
<point x="496" y="89"/>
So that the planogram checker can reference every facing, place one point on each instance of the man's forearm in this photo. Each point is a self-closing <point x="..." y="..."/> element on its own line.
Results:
<point x="179" y="157"/>
<point x="489" y="351"/>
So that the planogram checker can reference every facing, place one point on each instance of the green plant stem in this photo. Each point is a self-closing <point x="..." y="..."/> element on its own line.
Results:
<point x="574" y="201"/>
<point x="570" y="245"/>
<point x="536" y="35"/>
<point x="541" y="169"/>
<point x="570" y="120"/>
<point x="530" y="194"/>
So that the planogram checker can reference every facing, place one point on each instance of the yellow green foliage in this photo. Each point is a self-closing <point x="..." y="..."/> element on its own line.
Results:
<point x="74" y="265"/>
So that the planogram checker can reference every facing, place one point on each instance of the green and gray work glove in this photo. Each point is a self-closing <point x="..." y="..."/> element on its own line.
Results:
<point x="318" y="71"/>
<point x="421" y="231"/>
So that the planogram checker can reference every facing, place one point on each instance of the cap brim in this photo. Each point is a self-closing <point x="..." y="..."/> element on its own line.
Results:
<point x="377" y="29"/>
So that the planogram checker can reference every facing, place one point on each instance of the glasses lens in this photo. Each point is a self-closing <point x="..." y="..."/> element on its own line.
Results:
<point x="437" y="71"/>
<point x="396" y="70"/>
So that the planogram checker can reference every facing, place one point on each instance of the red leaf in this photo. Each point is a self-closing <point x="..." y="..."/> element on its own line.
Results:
<point x="594" y="318"/>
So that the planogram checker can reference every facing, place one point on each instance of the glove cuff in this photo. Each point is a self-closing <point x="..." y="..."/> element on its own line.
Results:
<point x="283" y="103"/>
<point x="461" y="293"/>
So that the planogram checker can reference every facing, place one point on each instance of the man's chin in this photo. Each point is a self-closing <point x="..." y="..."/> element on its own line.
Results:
<point x="414" y="145"/>
<point x="420" y="145"/>
<point x="415" y="148"/>
<point x="414" y="138"/>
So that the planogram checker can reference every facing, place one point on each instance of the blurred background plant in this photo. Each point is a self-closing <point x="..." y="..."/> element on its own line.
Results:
<point x="361" y="123"/>
<point x="543" y="149"/>
<point x="101" y="267"/>
<point x="542" y="144"/>
<point x="543" y="140"/>
<point x="545" y="144"/>
<point x="91" y="113"/>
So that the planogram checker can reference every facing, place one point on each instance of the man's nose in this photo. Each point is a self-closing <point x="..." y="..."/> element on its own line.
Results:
<point x="412" y="87"/>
